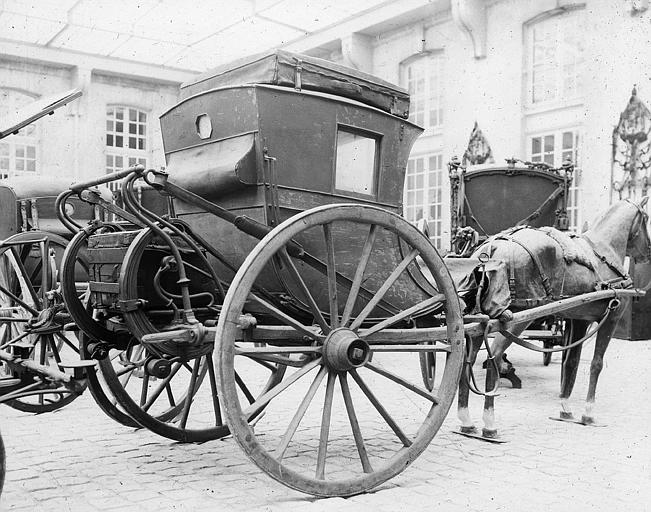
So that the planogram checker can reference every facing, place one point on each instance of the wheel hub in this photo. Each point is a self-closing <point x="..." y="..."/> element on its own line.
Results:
<point x="343" y="350"/>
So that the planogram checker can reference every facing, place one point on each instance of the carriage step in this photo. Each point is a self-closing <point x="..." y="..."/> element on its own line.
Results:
<point x="78" y="367"/>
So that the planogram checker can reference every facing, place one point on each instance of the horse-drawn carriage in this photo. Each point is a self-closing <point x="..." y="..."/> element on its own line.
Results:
<point x="270" y="289"/>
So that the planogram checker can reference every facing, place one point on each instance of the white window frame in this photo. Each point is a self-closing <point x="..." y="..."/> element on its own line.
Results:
<point x="119" y="155"/>
<point x="555" y="77"/>
<point x="356" y="173"/>
<point x="424" y="193"/>
<point x="554" y="155"/>
<point x="422" y="76"/>
<point x="28" y="138"/>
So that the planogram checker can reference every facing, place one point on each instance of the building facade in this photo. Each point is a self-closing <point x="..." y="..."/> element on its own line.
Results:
<point x="113" y="125"/>
<point x="545" y="80"/>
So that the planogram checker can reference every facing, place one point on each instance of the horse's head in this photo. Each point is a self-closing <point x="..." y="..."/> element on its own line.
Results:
<point x="639" y="241"/>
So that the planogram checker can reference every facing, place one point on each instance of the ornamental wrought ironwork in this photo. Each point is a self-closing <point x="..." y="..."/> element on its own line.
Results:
<point x="478" y="150"/>
<point x="631" y="156"/>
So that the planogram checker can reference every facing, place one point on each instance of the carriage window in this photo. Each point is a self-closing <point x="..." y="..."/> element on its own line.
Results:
<point x="356" y="162"/>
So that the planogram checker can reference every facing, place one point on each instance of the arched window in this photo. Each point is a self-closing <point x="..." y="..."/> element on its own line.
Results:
<point x="19" y="152"/>
<point x="422" y="77"/>
<point x="126" y="137"/>
<point x="554" y="57"/>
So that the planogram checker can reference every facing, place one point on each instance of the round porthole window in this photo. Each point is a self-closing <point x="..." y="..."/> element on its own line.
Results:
<point x="204" y="126"/>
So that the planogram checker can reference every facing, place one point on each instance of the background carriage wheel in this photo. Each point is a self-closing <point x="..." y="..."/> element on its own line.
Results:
<point x="22" y="298"/>
<point x="351" y="413"/>
<point x="2" y="464"/>
<point x="91" y="329"/>
<point x="184" y="405"/>
<point x="428" y="369"/>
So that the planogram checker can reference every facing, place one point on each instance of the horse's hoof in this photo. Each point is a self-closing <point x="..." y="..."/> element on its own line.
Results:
<point x="587" y="420"/>
<point x="468" y="430"/>
<point x="489" y="433"/>
<point x="566" y="415"/>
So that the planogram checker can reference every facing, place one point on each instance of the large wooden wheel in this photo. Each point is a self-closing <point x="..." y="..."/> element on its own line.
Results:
<point x="2" y="464"/>
<point x="352" y="413"/>
<point x="171" y="388"/>
<point x="32" y="320"/>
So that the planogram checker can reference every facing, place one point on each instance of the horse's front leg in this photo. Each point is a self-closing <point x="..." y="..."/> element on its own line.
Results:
<point x="601" y="344"/>
<point x="498" y="347"/>
<point x="463" y="413"/>
<point x="570" y="365"/>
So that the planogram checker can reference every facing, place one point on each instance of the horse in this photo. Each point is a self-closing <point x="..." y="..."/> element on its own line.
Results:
<point x="577" y="264"/>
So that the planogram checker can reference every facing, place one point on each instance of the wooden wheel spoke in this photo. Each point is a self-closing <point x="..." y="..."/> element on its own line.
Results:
<point x="380" y="409"/>
<point x="213" y="389"/>
<point x="69" y="343"/>
<point x="285" y="318"/>
<point x="19" y="301"/>
<point x="436" y="299"/>
<point x="170" y="396"/>
<point x="190" y="396"/>
<point x="325" y="427"/>
<point x="24" y="279"/>
<point x="244" y="388"/>
<point x="161" y="387"/>
<point x="16" y="339"/>
<point x="253" y="351"/>
<point x="332" y="276"/>
<point x="318" y="316"/>
<point x="54" y="348"/>
<point x="354" y="424"/>
<point x="300" y="412"/>
<point x="397" y="272"/>
<point x="128" y="368"/>
<point x="409" y="348"/>
<point x="404" y="383"/>
<point x="345" y="282"/>
<point x="359" y="274"/>
<point x="265" y="398"/>
<point x="263" y="362"/>
<point x="144" y="389"/>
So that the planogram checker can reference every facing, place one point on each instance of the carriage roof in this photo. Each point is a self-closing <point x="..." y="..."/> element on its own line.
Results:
<point x="303" y="72"/>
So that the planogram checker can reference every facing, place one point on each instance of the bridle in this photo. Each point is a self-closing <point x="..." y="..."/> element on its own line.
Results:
<point x="640" y="223"/>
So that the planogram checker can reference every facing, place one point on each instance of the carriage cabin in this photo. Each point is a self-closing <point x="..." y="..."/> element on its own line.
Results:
<point x="280" y="133"/>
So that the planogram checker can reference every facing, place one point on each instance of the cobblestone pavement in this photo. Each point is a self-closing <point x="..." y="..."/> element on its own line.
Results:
<point x="78" y="459"/>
